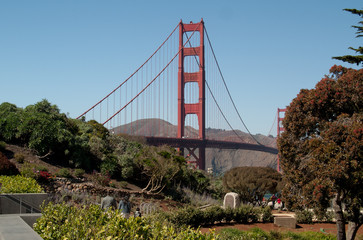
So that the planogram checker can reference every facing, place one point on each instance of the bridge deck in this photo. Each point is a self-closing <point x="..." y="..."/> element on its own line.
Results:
<point x="194" y="143"/>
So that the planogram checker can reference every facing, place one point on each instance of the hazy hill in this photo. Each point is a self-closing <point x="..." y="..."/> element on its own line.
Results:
<point x="218" y="159"/>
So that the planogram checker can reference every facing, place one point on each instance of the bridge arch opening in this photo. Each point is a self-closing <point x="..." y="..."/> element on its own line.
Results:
<point x="191" y="126"/>
<point x="191" y="92"/>
<point x="191" y="64"/>
<point x="194" y="40"/>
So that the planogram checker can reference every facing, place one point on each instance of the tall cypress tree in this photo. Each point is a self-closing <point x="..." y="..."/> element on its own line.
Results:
<point x="357" y="59"/>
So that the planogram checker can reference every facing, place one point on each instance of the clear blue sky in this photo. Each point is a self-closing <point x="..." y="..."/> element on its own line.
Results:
<point x="74" y="52"/>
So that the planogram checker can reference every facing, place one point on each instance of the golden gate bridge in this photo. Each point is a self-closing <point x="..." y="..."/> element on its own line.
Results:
<point x="174" y="87"/>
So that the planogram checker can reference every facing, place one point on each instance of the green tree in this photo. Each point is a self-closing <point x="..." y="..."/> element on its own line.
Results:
<point x="321" y="148"/>
<point x="160" y="165"/>
<point x="357" y="59"/>
<point x="9" y="121"/>
<point x="44" y="129"/>
<point x="252" y="182"/>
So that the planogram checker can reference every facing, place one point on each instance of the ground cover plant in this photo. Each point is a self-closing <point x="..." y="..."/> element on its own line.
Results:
<point x="256" y="233"/>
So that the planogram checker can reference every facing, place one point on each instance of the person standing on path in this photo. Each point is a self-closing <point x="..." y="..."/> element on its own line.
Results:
<point x="125" y="207"/>
<point x="108" y="202"/>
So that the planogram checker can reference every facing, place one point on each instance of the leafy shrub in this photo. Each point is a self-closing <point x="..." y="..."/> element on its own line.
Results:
<point x="246" y="214"/>
<point x="19" y="157"/>
<point x="64" y="172"/>
<point x="6" y="167"/>
<point x="304" y="216"/>
<point x="61" y="221"/>
<point x="102" y="179"/>
<point x="41" y="168"/>
<point x="43" y="176"/>
<point x="188" y="216"/>
<point x="2" y="146"/>
<point x="228" y="214"/>
<point x="19" y="184"/>
<point x="213" y="214"/>
<point x="197" y="199"/>
<point x="112" y="184"/>
<point x="123" y="184"/>
<point x="195" y="217"/>
<point x="78" y="172"/>
<point x="324" y="215"/>
<point x="109" y="166"/>
<point x="28" y="170"/>
<point x="329" y="216"/>
<point x="266" y="214"/>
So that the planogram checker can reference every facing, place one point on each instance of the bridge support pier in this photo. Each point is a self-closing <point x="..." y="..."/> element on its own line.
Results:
<point x="199" y="160"/>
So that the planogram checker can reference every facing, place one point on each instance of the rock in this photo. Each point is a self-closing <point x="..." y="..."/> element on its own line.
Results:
<point x="231" y="200"/>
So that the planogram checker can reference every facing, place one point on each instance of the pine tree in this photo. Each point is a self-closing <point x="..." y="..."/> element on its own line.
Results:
<point x="357" y="59"/>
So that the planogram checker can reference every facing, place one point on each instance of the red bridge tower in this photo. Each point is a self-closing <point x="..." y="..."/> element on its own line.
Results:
<point x="197" y="108"/>
<point x="280" y="129"/>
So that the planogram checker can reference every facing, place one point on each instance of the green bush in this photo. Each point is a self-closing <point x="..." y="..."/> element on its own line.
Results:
<point x="123" y="184"/>
<point x="109" y="166"/>
<point x="2" y="146"/>
<point x="228" y="214"/>
<point x="246" y="214"/>
<point x="19" y="184"/>
<point x="102" y="179"/>
<point x="61" y="221"/>
<point x="188" y="216"/>
<point x="78" y="172"/>
<point x="41" y="168"/>
<point x="195" y="217"/>
<point x="304" y="216"/>
<point x="324" y="215"/>
<point x="19" y="157"/>
<point x="64" y="172"/>
<point x="213" y="214"/>
<point x="266" y="214"/>
<point x="28" y="170"/>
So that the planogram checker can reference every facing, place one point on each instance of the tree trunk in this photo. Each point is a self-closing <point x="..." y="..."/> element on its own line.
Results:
<point x="337" y="205"/>
<point x="352" y="230"/>
<point x="354" y="223"/>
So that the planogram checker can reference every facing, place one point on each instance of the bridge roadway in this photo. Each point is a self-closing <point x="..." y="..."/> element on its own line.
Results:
<point x="196" y="143"/>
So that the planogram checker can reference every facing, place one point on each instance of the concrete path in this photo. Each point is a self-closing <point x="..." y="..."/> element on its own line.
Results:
<point x="13" y="227"/>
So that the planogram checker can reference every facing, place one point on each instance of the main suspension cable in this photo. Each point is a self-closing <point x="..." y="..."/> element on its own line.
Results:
<point x="229" y="94"/>
<point x="130" y="75"/>
<point x="151" y="80"/>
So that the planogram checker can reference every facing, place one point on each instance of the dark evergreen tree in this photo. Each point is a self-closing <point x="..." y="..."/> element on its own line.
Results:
<point x="321" y="149"/>
<point x="357" y="59"/>
<point x="252" y="182"/>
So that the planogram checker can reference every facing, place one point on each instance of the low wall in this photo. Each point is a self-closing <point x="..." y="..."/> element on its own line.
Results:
<point x="18" y="203"/>
<point x="285" y="221"/>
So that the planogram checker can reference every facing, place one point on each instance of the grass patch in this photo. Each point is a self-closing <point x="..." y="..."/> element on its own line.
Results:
<point x="257" y="233"/>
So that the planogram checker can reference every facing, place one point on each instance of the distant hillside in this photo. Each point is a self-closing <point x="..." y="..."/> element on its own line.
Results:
<point x="218" y="159"/>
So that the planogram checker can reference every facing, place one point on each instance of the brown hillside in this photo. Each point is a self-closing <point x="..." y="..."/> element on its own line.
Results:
<point x="217" y="159"/>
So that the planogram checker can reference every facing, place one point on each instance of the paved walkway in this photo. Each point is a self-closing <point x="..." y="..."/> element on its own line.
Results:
<point x="13" y="227"/>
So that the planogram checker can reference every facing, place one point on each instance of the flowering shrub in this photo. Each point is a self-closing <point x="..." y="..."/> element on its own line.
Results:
<point x="102" y="179"/>
<point x="43" y="176"/>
